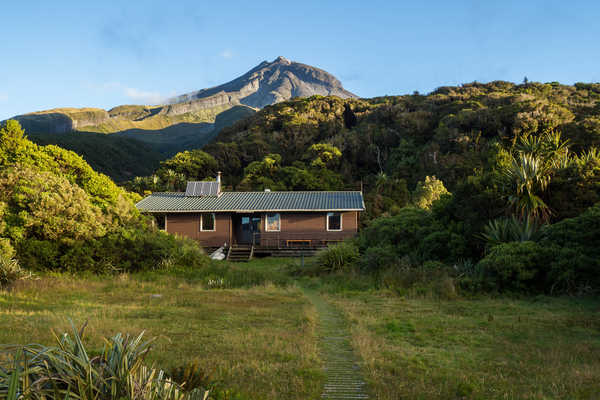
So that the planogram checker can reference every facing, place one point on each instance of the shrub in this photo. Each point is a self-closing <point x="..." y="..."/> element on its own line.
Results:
<point x="442" y="245"/>
<point x="518" y="266"/>
<point x="123" y="250"/>
<point x="339" y="257"/>
<point x="6" y="248"/>
<point x="10" y="271"/>
<point x="412" y="232"/>
<point x="404" y="230"/>
<point x="48" y="207"/>
<point x="576" y="267"/>
<point x="505" y="230"/>
<point x="69" y="371"/>
<point x="581" y="232"/>
<point x="378" y="258"/>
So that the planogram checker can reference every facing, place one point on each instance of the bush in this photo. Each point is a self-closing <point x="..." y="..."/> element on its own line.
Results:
<point x="10" y="271"/>
<point x="505" y="230"/>
<point x="576" y="267"/>
<point x="518" y="266"/>
<point x="403" y="231"/>
<point x="6" y="248"/>
<point x="68" y="371"/>
<point x="124" y="250"/>
<point x="412" y="232"/>
<point x="378" y="258"/>
<point x="442" y="245"/>
<point x="581" y="232"/>
<point x="339" y="257"/>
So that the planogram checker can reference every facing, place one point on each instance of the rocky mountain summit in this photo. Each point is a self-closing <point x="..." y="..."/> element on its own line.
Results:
<point x="269" y="83"/>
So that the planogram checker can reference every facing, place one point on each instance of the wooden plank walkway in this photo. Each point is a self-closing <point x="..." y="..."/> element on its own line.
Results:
<point x="344" y="379"/>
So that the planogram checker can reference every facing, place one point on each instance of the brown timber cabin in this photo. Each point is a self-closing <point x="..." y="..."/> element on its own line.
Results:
<point x="248" y="223"/>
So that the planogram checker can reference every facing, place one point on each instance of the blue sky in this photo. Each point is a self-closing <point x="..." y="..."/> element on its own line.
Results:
<point x="102" y="54"/>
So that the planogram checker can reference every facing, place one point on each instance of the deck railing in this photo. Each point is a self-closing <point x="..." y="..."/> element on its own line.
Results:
<point x="297" y="239"/>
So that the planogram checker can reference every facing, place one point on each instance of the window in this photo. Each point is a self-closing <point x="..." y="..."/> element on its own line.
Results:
<point x="207" y="222"/>
<point x="334" y="221"/>
<point x="273" y="222"/>
<point x="161" y="220"/>
<point x="245" y="223"/>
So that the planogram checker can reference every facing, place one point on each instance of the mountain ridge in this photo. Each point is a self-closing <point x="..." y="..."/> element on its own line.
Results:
<point x="265" y="84"/>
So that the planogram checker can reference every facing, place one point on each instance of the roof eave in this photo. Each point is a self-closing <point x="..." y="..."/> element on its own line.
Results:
<point x="254" y="211"/>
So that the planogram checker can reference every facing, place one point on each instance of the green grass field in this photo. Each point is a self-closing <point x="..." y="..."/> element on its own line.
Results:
<point x="258" y="341"/>
<point x="542" y="348"/>
<point x="262" y="341"/>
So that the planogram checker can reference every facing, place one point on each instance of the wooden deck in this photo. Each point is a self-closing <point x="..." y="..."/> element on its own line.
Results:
<point x="297" y="240"/>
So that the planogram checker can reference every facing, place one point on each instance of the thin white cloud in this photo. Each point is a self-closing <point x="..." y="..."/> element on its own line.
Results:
<point x="3" y="97"/>
<point x="138" y="96"/>
<point x="143" y="96"/>
<point x="226" y="54"/>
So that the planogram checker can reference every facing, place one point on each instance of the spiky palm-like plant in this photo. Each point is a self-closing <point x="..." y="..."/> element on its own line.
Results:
<point x="528" y="176"/>
<point x="504" y="230"/>
<point x="67" y="371"/>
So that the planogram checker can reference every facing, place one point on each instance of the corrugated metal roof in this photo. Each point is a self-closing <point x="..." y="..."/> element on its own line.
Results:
<point x="254" y="201"/>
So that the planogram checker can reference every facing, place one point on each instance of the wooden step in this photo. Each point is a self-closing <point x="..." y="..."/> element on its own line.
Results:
<point x="240" y="253"/>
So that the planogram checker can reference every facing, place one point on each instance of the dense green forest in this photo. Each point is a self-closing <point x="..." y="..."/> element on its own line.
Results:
<point x="470" y="168"/>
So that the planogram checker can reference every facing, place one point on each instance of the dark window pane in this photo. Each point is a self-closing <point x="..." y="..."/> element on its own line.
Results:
<point x="160" y="221"/>
<point x="334" y="221"/>
<point x="208" y="222"/>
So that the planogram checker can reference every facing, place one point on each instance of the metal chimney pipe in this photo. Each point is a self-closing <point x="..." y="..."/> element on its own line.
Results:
<point x="219" y="183"/>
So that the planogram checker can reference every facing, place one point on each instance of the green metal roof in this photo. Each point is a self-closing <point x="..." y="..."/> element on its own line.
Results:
<point x="254" y="202"/>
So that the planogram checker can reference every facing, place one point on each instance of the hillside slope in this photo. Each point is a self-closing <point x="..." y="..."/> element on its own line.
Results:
<point x="445" y="133"/>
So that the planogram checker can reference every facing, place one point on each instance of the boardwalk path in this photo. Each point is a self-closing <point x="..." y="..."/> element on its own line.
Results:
<point x="344" y="379"/>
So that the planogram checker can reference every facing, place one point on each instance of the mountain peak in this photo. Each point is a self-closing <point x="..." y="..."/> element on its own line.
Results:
<point x="282" y="60"/>
<point x="270" y="83"/>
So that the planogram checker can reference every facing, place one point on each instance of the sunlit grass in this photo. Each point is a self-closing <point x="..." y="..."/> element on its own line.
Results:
<point x="262" y="340"/>
<point x="259" y="341"/>
<point x="542" y="348"/>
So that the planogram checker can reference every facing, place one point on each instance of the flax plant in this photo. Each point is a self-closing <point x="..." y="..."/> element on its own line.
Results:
<point x="68" y="371"/>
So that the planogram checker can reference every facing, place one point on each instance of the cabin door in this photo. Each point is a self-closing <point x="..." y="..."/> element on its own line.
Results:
<point x="248" y="228"/>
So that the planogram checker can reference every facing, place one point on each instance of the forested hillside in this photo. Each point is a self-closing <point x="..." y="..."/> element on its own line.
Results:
<point x="118" y="157"/>
<point x="448" y="133"/>
<point x="458" y="173"/>
<point x="392" y="143"/>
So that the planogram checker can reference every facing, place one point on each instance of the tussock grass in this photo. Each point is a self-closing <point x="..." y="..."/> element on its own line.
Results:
<point x="541" y="348"/>
<point x="258" y="341"/>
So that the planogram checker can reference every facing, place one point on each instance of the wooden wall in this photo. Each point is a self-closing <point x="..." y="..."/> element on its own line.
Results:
<point x="188" y="224"/>
<point x="313" y="222"/>
<point x="294" y="226"/>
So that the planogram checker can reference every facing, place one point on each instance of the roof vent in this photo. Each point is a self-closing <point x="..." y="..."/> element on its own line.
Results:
<point x="267" y="190"/>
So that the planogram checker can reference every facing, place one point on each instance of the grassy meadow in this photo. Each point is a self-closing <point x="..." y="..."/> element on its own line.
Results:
<point x="262" y="341"/>
<point x="540" y="348"/>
